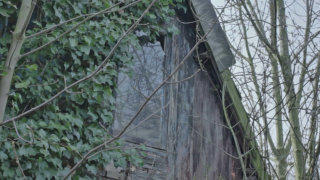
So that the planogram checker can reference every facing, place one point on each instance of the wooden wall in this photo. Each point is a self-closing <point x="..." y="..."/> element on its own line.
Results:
<point x="188" y="138"/>
<point x="198" y="144"/>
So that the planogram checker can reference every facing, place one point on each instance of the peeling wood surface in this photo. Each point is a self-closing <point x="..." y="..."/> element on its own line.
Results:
<point x="198" y="144"/>
<point x="187" y="138"/>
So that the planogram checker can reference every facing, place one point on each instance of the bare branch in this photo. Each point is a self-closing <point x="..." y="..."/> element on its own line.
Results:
<point x="95" y="72"/>
<point x="314" y="155"/>
<point x="75" y="27"/>
<point x="17" y="159"/>
<point x="18" y="134"/>
<point x="70" y="20"/>
<point x="141" y="107"/>
<point x="305" y="50"/>
<point x="235" y="139"/>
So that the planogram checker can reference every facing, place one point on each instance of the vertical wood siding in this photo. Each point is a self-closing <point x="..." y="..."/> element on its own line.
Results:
<point x="189" y="138"/>
<point x="198" y="144"/>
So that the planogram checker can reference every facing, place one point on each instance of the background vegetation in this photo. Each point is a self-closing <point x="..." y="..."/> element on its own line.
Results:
<point x="50" y="141"/>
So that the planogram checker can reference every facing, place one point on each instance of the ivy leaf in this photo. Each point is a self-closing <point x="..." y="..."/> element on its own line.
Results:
<point x="55" y="161"/>
<point x="106" y="4"/>
<point x="42" y="133"/>
<point x="91" y="169"/>
<point x="87" y="39"/>
<point x="3" y="156"/>
<point x="32" y="67"/>
<point x="93" y="115"/>
<point x="152" y="16"/>
<point x="4" y="12"/>
<point x="73" y="42"/>
<point x="27" y="151"/>
<point x="23" y="84"/>
<point x="45" y="152"/>
<point x="65" y="139"/>
<point x="85" y="49"/>
<point x="54" y="138"/>
<point x="58" y="130"/>
<point x="77" y="122"/>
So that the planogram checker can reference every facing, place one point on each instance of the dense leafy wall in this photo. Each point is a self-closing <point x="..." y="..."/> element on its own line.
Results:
<point x="56" y="137"/>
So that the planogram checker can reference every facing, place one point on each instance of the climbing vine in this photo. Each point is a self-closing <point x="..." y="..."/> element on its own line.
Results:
<point x="48" y="142"/>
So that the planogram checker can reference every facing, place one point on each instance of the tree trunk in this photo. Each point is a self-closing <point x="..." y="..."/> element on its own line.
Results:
<point x="285" y="64"/>
<point x="13" y="56"/>
<point x="281" y="154"/>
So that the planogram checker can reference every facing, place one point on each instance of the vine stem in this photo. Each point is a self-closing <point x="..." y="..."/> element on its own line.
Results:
<point x="95" y="72"/>
<point x="75" y="167"/>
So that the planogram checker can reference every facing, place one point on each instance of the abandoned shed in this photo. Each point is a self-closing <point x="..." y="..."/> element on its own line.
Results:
<point x="184" y="126"/>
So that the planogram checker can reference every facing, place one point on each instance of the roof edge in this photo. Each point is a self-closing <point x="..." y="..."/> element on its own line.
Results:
<point x="216" y="37"/>
<point x="254" y="153"/>
<point x="218" y="43"/>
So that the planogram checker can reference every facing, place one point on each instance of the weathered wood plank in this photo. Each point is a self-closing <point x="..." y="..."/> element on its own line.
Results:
<point x="189" y="121"/>
<point x="198" y="144"/>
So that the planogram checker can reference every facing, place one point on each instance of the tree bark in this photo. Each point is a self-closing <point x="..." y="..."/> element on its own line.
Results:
<point x="281" y="155"/>
<point x="13" y="56"/>
<point x="313" y="156"/>
<point x="285" y="63"/>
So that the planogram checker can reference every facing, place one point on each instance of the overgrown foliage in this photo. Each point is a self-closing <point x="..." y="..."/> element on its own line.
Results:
<point x="278" y="73"/>
<point x="50" y="141"/>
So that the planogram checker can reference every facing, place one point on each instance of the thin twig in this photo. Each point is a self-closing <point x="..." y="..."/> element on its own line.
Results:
<point x="68" y="91"/>
<point x="17" y="159"/>
<point x="147" y="118"/>
<point x="18" y="134"/>
<point x="73" y="28"/>
<point x="141" y="107"/>
<point x="240" y="155"/>
<point x="185" y="79"/>
<point x="72" y="19"/>
<point x="98" y="69"/>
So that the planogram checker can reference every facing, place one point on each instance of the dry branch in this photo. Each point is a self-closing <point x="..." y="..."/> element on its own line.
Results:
<point x="141" y="107"/>
<point x="95" y="72"/>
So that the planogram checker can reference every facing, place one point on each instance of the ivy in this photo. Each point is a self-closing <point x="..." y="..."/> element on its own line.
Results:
<point x="60" y="133"/>
<point x="7" y="8"/>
